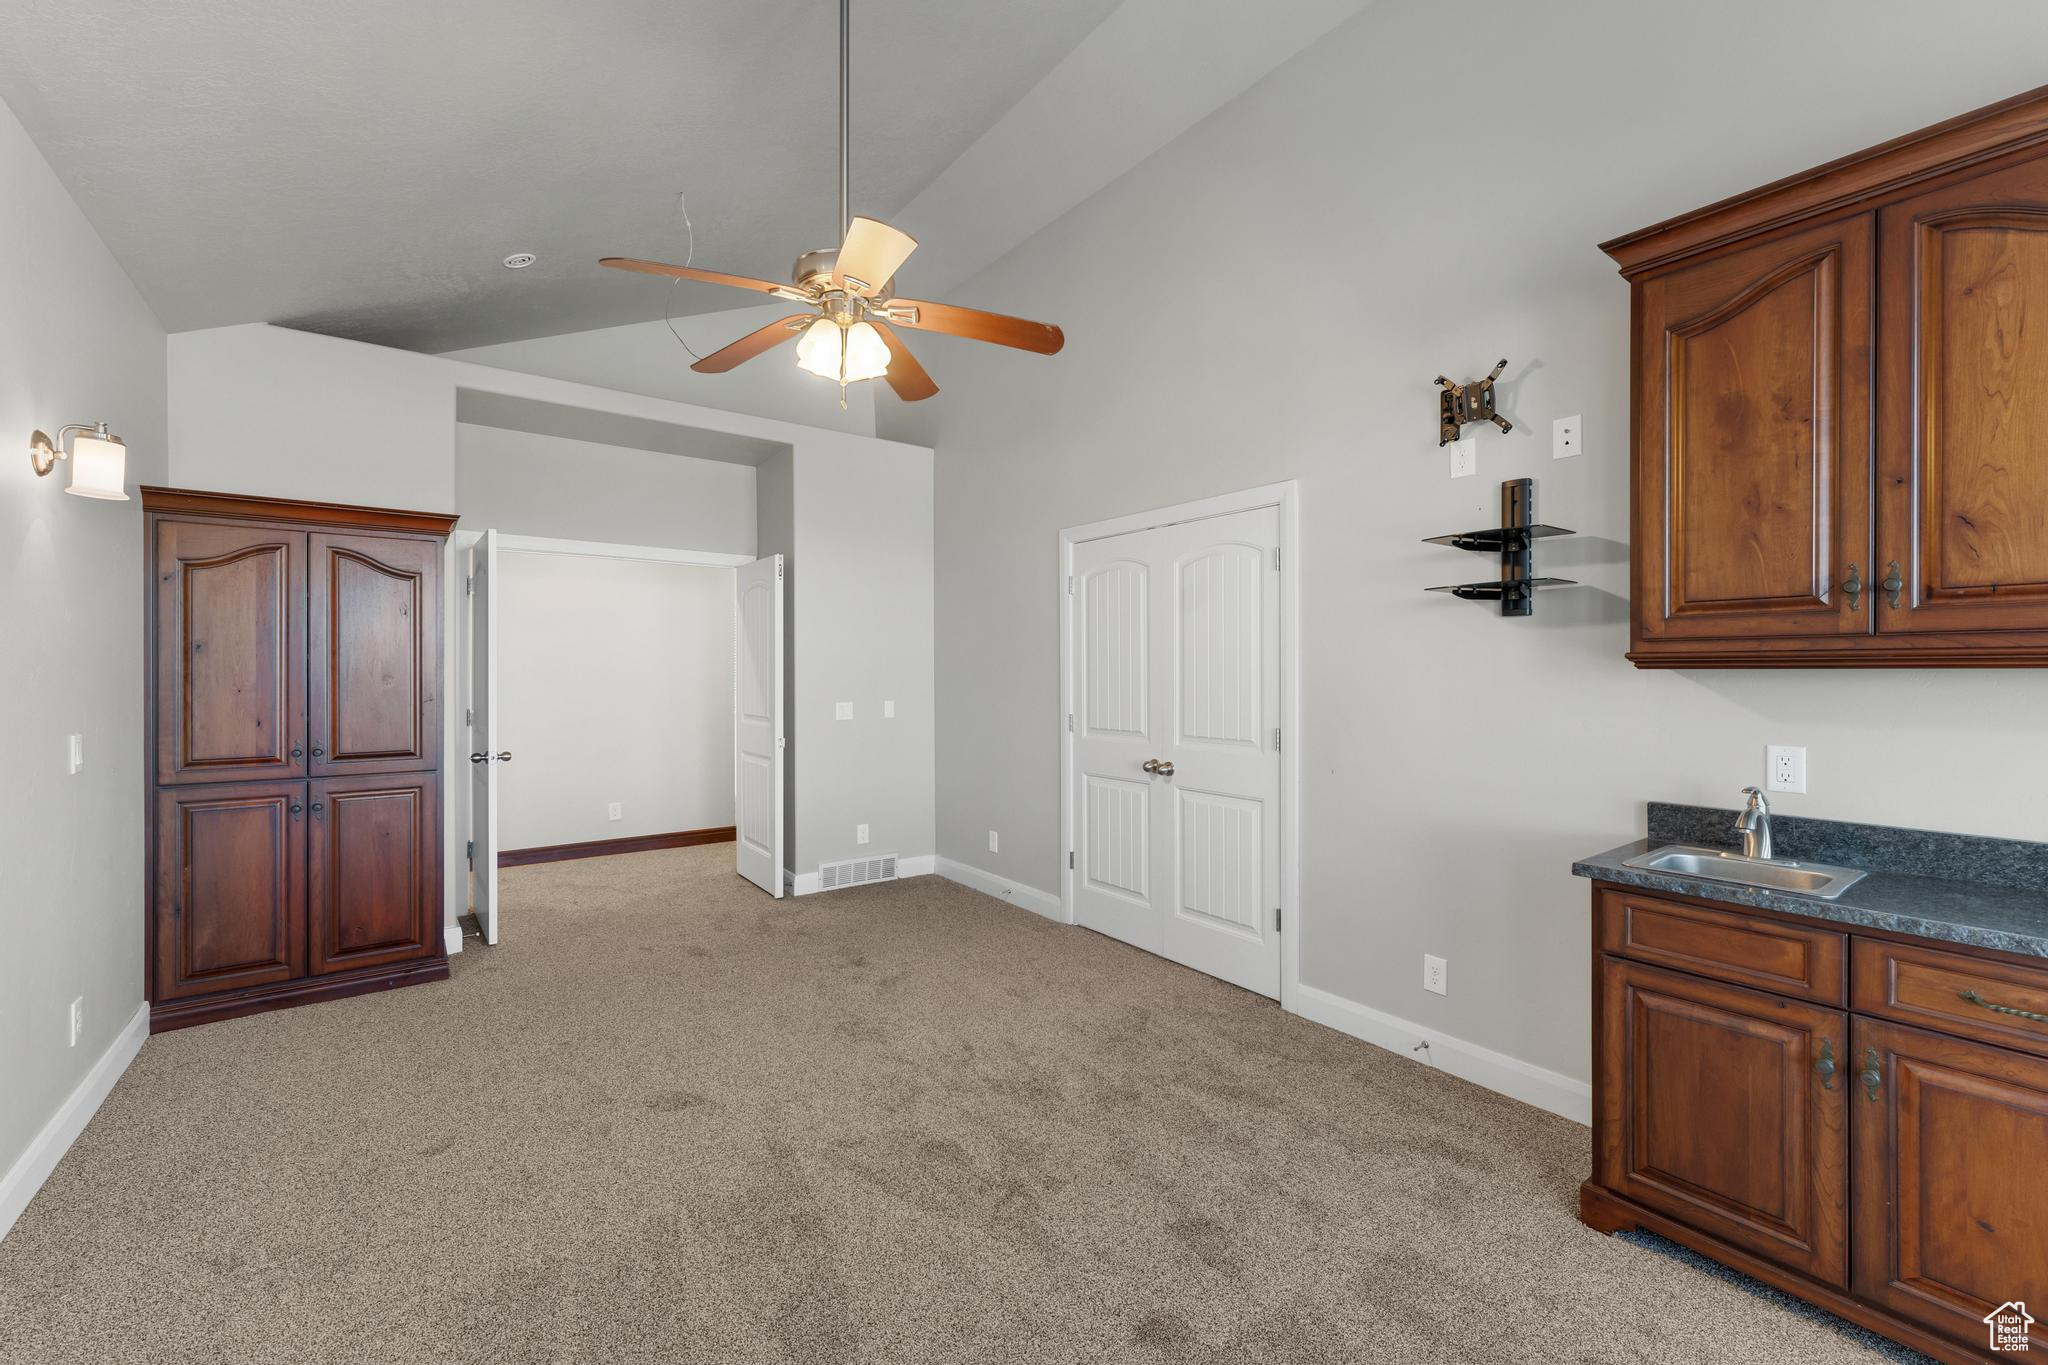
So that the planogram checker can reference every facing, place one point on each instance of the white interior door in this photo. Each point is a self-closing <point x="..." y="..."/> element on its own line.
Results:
<point x="1176" y="659"/>
<point x="757" y="721"/>
<point x="483" y="733"/>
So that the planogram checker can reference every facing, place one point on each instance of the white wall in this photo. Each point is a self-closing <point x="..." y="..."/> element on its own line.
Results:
<point x="523" y="483"/>
<point x="645" y="357"/>
<point x="614" y="684"/>
<point x="1364" y="220"/>
<point x="79" y="346"/>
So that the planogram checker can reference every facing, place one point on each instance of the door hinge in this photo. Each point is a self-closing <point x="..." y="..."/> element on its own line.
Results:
<point x="778" y="571"/>
<point x="1276" y="919"/>
<point x="1070" y="722"/>
<point x="469" y="585"/>
<point x="1070" y="585"/>
<point x="1276" y="556"/>
<point x="470" y="853"/>
<point x="1070" y="860"/>
<point x="468" y="715"/>
<point x="1276" y="739"/>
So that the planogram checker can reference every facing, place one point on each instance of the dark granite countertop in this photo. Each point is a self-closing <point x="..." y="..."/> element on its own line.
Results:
<point x="1920" y="883"/>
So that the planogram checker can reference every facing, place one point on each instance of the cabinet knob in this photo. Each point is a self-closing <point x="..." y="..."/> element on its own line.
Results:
<point x="318" y="752"/>
<point x="318" y="807"/>
<point x="1825" y="1067"/>
<point x="1872" y="1074"/>
<point x="296" y="808"/>
<point x="1852" y="587"/>
<point x="1893" y="584"/>
<point x="298" y="751"/>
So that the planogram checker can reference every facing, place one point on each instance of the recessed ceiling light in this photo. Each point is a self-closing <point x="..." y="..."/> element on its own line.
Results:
<point x="519" y="260"/>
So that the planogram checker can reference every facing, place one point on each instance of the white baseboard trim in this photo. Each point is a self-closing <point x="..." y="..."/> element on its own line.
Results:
<point x="1497" y="1071"/>
<point x="923" y="865"/>
<point x="802" y="883"/>
<point x="33" y="1167"/>
<point x="451" y="938"/>
<point x="1002" y="888"/>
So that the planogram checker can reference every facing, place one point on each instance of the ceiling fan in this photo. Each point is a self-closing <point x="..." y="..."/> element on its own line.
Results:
<point x="844" y="333"/>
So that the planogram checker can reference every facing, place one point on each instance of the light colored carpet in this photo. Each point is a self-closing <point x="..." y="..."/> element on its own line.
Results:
<point x="669" y="1119"/>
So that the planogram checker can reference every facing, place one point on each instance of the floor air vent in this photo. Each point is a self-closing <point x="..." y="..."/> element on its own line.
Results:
<point x="853" y="872"/>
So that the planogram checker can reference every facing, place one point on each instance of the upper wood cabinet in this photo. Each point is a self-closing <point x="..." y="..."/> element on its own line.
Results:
<point x="1776" y="521"/>
<point x="375" y="603"/>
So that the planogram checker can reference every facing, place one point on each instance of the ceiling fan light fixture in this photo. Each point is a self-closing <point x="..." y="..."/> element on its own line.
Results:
<point x="844" y="354"/>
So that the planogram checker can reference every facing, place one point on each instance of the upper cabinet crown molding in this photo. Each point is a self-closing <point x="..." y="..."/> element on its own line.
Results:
<point x="293" y="511"/>
<point x="1840" y="413"/>
<point x="1842" y="185"/>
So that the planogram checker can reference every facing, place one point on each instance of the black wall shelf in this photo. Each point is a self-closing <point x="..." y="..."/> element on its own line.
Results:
<point x="1514" y="541"/>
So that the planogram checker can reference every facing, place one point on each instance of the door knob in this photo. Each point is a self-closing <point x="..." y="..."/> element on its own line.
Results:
<point x="504" y="756"/>
<point x="1163" y="767"/>
<point x="479" y="758"/>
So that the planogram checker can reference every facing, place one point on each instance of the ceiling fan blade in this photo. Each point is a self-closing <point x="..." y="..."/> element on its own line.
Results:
<point x="753" y="344"/>
<point x="905" y="375"/>
<point x="870" y="255"/>
<point x="684" y="272"/>
<point x="1000" y="328"/>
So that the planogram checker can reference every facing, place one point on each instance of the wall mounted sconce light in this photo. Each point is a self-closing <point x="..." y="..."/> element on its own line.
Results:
<point x="99" y="459"/>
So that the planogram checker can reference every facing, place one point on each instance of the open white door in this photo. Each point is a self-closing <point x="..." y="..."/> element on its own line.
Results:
<point x="484" y="755"/>
<point x="757" y="721"/>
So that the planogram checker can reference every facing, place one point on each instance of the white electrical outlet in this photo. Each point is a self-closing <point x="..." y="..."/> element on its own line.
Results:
<point x="1436" y="975"/>
<point x="615" y="811"/>
<point x="842" y="710"/>
<point x="77" y="752"/>
<point x="77" y="1019"/>
<point x="992" y="842"/>
<point x="1566" y="437"/>
<point x="1785" y="767"/>
<point x="860" y="834"/>
<point x="1465" y="457"/>
<point x="888" y="710"/>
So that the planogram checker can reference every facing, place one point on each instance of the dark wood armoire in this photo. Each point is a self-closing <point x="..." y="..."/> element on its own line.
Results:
<point x="295" y="725"/>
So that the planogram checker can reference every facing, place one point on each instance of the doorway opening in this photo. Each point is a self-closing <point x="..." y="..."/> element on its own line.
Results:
<point x="609" y="694"/>
<point x="1179" y="698"/>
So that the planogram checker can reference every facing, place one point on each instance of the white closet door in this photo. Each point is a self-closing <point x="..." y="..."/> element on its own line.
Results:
<point x="483" y="733"/>
<point x="757" y="721"/>
<point x="1176" y="757"/>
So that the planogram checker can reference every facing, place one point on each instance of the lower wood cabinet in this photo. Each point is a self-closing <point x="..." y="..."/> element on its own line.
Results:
<point x="1951" y="1175"/>
<point x="230" y="887"/>
<point x="373" y="857"/>
<point x="1730" y="1113"/>
<point x="1837" y="1146"/>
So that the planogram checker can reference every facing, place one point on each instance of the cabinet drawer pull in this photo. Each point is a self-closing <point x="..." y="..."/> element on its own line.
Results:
<point x="1852" y="587"/>
<point x="2013" y="1010"/>
<point x="1872" y="1074"/>
<point x="1825" y="1067"/>
<point x="1893" y="584"/>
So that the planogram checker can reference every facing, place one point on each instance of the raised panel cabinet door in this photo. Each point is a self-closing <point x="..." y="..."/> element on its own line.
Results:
<point x="373" y="887"/>
<point x="1724" y="1108"/>
<point x="1963" y="407"/>
<point x="374" y="653"/>
<point x="229" y="606"/>
<point x="1752" y="442"/>
<point x="1951" y="1178"/>
<point x="230" y="902"/>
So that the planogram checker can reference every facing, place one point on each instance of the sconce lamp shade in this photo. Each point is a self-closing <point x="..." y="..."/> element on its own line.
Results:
<point x="99" y="459"/>
<point x="99" y="467"/>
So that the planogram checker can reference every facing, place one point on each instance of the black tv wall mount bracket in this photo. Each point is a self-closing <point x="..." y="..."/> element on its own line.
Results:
<point x="1459" y="405"/>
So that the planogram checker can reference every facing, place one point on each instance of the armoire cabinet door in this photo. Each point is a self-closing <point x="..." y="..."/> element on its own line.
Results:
<point x="373" y="870"/>
<point x="1951" y="1177"/>
<point x="374" y="702"/>
<point x="230" y="640"/>
<point x="1752" y="477"/>
<point x="230" y="902"/>
<point x="1963" y="409"/>
<point x="1723" y="1107"/>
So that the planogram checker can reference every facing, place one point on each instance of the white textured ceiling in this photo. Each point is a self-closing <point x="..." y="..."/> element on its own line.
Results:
<point x="362" y="167"/>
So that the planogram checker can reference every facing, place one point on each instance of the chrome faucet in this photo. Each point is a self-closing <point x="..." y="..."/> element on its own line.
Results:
<point x="1754" y="825"/>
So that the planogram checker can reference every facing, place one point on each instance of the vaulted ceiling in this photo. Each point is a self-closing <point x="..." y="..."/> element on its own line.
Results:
<point x="363" y="167"/>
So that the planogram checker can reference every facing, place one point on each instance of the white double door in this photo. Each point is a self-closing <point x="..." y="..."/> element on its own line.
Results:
<point x="1176" y="772"/>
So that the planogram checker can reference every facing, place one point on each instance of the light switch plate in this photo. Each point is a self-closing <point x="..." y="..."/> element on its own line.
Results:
<point x="888" y="710"/>
<point x="860" y="834"/>
<point x="842" y="710"/>
<point x="1465" y="457"/>
<point x="992" y="841"/>
<point x="1567" y="437"/>
<point x="77" y="1019"/>
<point x="615" y="811"/>
<point x="77" y="752"/>
<point x="1785" y="767"/>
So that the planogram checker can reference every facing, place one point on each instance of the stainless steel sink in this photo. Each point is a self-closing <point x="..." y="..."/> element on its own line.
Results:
<point x="1776" y="874"/>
